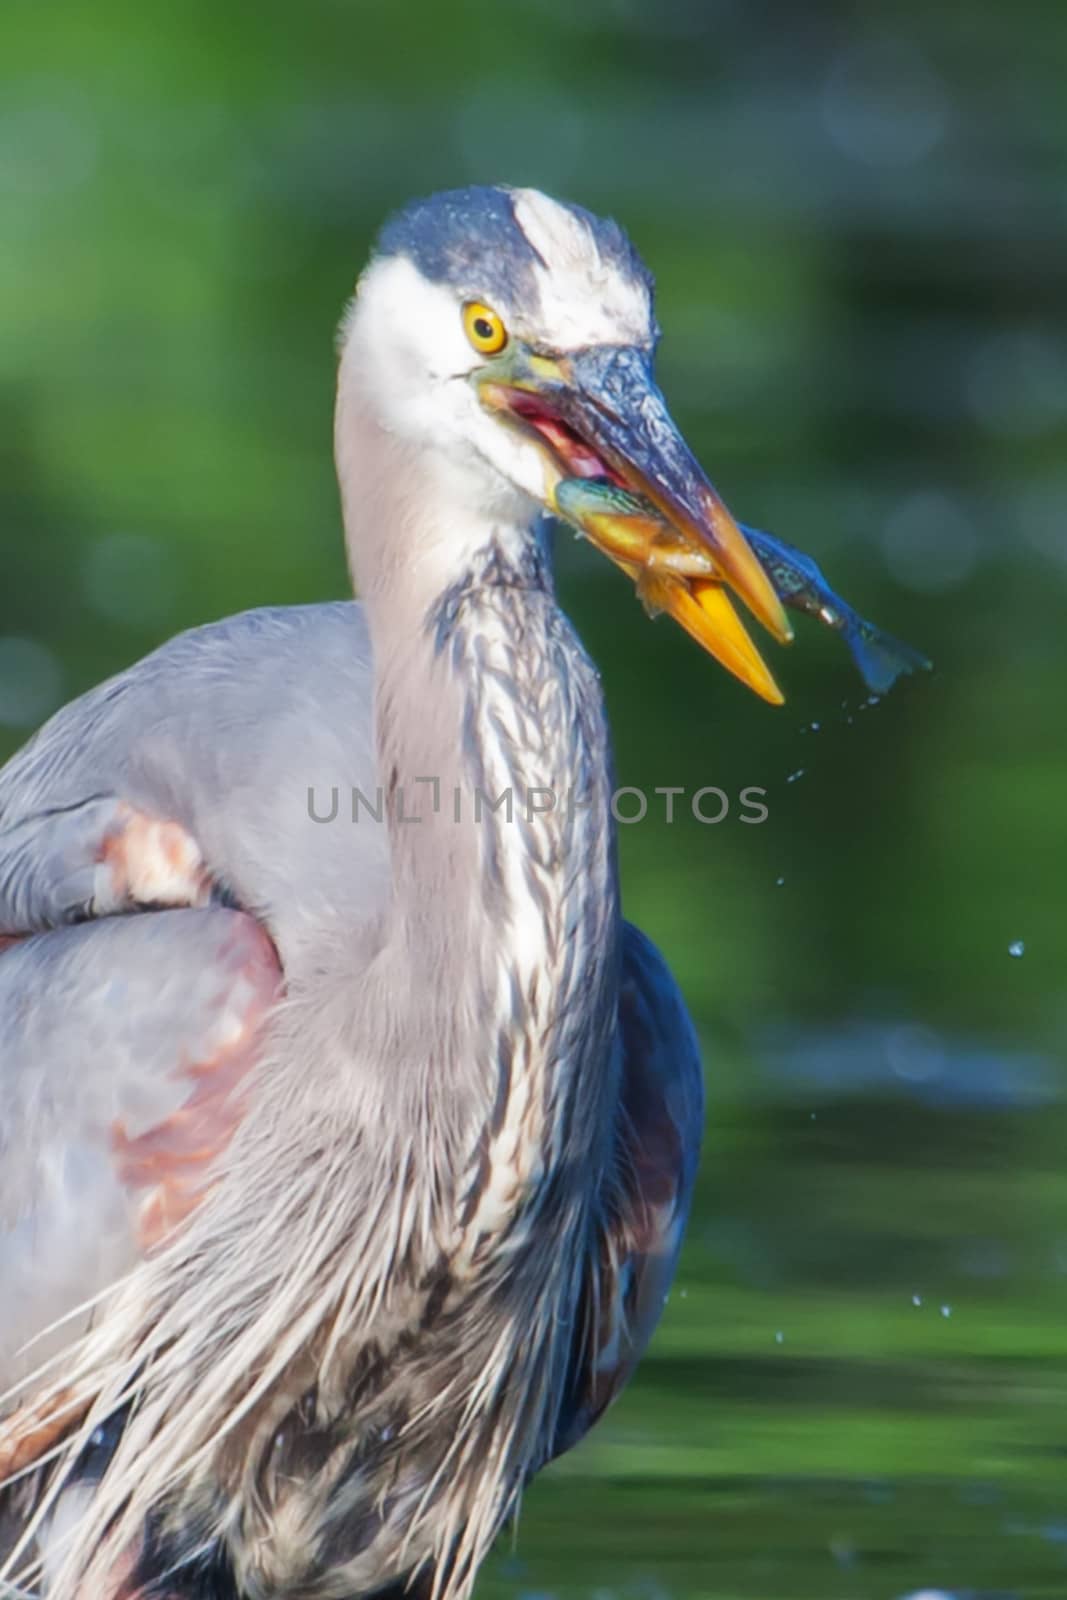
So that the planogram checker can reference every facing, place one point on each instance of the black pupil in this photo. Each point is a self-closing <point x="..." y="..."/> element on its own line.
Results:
<point x="484" y="328"/>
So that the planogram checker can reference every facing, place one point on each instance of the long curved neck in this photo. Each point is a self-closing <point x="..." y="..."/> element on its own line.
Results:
<point x="495" y="765"/>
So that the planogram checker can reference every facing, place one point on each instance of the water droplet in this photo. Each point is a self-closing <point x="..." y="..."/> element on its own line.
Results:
<point x="793" y="776"/>
<point x="779" y="1337"/>
<point x="1017" y="948"/>
<point x="916" y="1299"/>
<point x="946" y="1311"/>
<point x="815" y="727"/>
<point x="779" y="882"/>
<point x="813" y="1116"/>
<point x="684" y="1294"/>
<point x="874" y="699"/>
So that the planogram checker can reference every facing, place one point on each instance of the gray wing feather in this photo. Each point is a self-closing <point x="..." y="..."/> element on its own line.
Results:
<point x="105" y="1034"/>
<point x="225" y="730"/>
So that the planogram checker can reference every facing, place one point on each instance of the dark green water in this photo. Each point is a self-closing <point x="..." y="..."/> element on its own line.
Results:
<point x="857" y="216"/>
<point x="804" y="1429"/>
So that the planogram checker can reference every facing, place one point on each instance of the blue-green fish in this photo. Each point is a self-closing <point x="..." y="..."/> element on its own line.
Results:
<point x="798" y="579"/>
<point x="881" y="659"/>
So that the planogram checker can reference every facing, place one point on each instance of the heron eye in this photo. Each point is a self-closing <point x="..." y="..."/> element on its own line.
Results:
<point x="484" y="328"/>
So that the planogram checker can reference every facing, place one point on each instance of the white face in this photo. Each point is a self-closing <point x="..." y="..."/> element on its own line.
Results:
<point x="405" y="349"/>
<point x="406" y="353"/>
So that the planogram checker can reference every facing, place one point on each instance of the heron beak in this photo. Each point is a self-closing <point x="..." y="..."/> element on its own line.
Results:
<point x="600" y="416"/>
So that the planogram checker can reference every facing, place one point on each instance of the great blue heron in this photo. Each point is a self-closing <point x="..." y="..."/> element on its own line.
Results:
<point x="346" y="1186"/>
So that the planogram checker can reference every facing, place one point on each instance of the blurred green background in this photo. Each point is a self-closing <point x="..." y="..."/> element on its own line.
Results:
<point x="858" y="218"/>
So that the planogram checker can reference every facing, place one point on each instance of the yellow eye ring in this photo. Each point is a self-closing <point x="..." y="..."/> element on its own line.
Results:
<point x="484" y="328"/>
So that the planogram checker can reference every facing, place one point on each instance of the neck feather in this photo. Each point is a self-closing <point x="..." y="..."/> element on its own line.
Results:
<point x="495" y="765"/>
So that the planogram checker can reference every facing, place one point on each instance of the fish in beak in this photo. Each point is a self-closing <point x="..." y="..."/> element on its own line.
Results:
<point x="798" y="580"/>
<point x="600" y="417"/>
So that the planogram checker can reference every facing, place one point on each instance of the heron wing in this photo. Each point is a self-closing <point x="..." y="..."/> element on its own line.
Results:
<point x="124" y="1047"/>
<point x="181" y="781"/>
<point x="657" y="1142"/>
<point x="252" y="735"/>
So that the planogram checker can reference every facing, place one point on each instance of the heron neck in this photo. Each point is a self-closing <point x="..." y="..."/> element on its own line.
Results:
<point x="495" y="763"/>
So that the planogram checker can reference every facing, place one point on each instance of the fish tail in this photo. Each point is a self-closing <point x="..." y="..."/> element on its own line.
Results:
<point x="881" y="659"/>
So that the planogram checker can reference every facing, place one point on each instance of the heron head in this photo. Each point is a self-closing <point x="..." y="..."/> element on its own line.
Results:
<point x="510" y="338"/>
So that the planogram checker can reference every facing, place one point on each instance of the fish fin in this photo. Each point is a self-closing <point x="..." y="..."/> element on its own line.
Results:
<point x="881" y="659"/>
